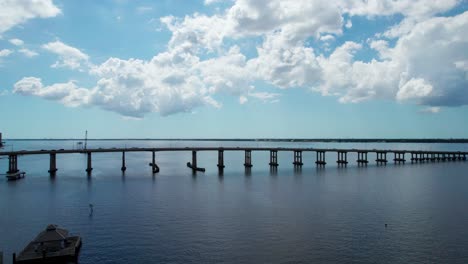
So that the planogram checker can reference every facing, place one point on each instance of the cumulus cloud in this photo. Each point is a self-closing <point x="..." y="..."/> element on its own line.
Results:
<point x="28" y="53"/>
<point x="69" y="57"/>
<point x="15" y="12"/>
<point x="16" y="42"/>
<point x="5" y="52"/>
<point x="425" y="64"/>
<point x="67" y="93"/>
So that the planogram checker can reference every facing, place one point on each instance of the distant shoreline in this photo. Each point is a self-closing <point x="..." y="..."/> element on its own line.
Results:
<point x="327" y="140"/>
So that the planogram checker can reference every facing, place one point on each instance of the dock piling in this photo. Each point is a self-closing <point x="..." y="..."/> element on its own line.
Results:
<point x="320" y="158"/>
<point x="273" y="158"/>
<point x="89" y="166"/>
<point x="342" y="158"/>
<point x="154" y="166"/>
<point x="12" y="164"/>
<point x="220" y="160"/>
<point x="298" y="158"/>
<point x="123" y="168"/>
<point x="248" y="158"/>
<point x="53" y="164"/>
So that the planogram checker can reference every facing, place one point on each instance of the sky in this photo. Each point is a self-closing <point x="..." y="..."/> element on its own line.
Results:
<point x="234" y="69"/>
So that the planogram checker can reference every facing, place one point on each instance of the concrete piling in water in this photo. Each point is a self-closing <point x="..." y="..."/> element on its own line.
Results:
<point x="12" y="164"/>
<point x="399" y="157"/>
<point x="320" y="158"/>
<point x="248" y="158"/>
<point x="298" y="158"/>
<point x="89" y="166"/>
<point x="220" y="160"/>
<point x="381" y="157"/>
<point x="53" y="164"/>
<point x="123" y="168"/>
<point x="362" y="158"/>
<point x="342" y="158"/>
<point x="153" y="165"/>
<point x="273" y="158"/>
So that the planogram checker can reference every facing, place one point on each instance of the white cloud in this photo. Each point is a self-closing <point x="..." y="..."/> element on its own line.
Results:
<point x="69" y="57"/>
<point x="426" y="63"/>
<point x="431" y="110"/>
<point x="265" y="96"/>
<point x="28" y="53"/>
<point x="15" y="12"/>
<point x="5" y="52"/>
<point x="67" y="93"/>
<point x="16" y="42"/>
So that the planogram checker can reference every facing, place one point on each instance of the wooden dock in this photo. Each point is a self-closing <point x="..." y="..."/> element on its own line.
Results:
<point x="381" y="156"/>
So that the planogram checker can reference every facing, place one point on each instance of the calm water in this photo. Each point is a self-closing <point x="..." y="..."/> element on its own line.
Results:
<point x="330" y="215"/>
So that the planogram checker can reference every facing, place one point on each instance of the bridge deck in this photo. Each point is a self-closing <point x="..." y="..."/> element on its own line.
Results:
<point x="167" y="149"/>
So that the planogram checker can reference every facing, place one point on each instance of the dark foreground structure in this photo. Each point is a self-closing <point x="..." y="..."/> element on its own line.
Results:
<point x="399" y="156"/>
<point x="53" y="245"/>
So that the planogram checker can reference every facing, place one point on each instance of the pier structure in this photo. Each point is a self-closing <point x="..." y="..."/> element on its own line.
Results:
<point x="362" y="156"/>
<point x="298" y="158"/>
<point x="342" y="158"/>
<point x="53" y="163"/>
<point x="273" y="158"/>
<point x="248" y="158"/>
<point x="320" y="158"/>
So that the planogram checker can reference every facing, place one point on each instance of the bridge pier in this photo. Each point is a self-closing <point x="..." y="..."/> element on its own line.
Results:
<point x="320" y="158"/>
<point x="381" y="157"/>
<point x="221" y="159"/>
<point x="298" y="158"/>
<point x="89" y="166"/>
<point x="12" y="164"/>
<point x="123" y="168"/>
<point x="53" y="164"/>
<point x="444" y="158"/>
<point x="433" y="158"/>
<point x="454" y="157"/>
<point x="154" y="166"/>
<point x="342" y="157"/>
<point x="399" y="157"/>
<point x="273" y="158"/>
<point x="362" y="158"/>
<point x="248" y="158"/>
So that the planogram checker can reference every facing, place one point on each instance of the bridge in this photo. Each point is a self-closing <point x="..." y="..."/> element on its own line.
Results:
<point x="399" y="156"/>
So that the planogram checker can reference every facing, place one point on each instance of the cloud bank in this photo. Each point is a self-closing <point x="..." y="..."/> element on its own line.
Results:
<point x="420" y="60"/>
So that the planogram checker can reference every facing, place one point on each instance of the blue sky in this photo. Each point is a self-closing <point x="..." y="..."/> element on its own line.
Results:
<point x="234" y="69"/>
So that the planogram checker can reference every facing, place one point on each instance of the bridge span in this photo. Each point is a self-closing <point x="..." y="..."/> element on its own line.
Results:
<point x="399" y="156"/>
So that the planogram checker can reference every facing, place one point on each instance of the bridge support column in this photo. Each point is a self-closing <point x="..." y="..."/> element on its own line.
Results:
<point x="433" y="158"/>
<point x="399" y="157"/>
<point x="273" y="158"/>
<point x="248" y="159"/>
<point x="464" y="156"/>
<point x="221" y="159"/>
<point x="454" y="157"/>
<point x="342" y="157"/>
<point x="154" y="166"/>
<point x="381" y="157"/>
<point x="123" y="168"/>
<point x="298" y="158"/>
<point x="89" y="166"/>
<point x="444" y="158"/>
<point x="53" y="164"/>
<point x="320" y="159"/>
<point x="12" y="164"/>
<point x="362" y="158"/>
<point x="194" y="159"/>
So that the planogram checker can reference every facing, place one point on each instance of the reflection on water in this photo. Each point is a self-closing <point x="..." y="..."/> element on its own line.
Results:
<point x="412" y="213"/>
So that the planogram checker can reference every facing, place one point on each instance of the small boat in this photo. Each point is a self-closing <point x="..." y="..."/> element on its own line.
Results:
<point x="13" y="176"/>
<point x="53" y="245"/>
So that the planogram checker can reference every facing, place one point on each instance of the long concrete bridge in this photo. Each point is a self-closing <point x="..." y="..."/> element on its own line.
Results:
<point x="399" y="156"/>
